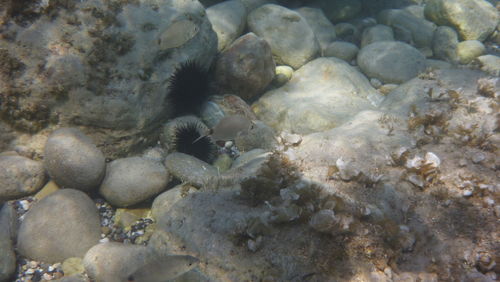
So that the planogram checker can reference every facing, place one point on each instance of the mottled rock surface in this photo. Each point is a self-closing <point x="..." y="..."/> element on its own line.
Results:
<point x="391" y="62"/>
<point x="279" y="26"/>
<point x="62" y="225"/>
<point x="73" y="161"/>
<point x="19" y="177"/>
<point x="129" y="181"/>
<point x="246" y="67"/>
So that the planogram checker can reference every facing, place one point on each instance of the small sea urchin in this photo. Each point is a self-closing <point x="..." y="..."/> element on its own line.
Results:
<point x="183" y="142"/>
<point x="189" y="88"/>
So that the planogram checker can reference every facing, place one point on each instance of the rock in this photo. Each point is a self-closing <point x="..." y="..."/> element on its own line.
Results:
<point x="166" y="200"/>
<point x="279" y="26"/>
<point x="444" y="43"/>
<point x="156" y="154"/>
<point x="260" y="136"/>
<point x="376" y="33"/>
<point x="391" y="62"/>
<point x="347" y="32"/>
<point x="323" y="221"/>
<point x="73" y="278"/>
<point x="322" y="27"/>
<point x="48" y="189"/>
<point x="112" y="262"/>
<point x="473" y="19"/>
<point x="342" y="50"/>
<point x="129" y="181"/>
<point x="490" y="64"/>
<point x="7" y="255"/>
<point x="73" y="161"/>
<point x="191" y="170"/>
<point x="300" y="106"/>
<point x="338" y="11"/>
<point x="468" y="50"/>
<point x="282" y="75"/>
<point x="420" y="31"/>
<point x="62" y="225"/>
<point x="437" y="64"/>
<point x="228" y="20"/>
<point x="416" y="10"/>
<point x="19" y="177"/>
<point x="246" y="67"/>
<point x="73" y="266"/>
<point x="89" y="83"/>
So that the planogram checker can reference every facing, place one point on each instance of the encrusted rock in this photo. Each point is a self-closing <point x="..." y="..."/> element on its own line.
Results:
<point x="19" y="177"/>
<point x="192" y="170"/>
<point x="73" y="161"/>
<point x="62" y="225"/>
<point x="468" y="50"/>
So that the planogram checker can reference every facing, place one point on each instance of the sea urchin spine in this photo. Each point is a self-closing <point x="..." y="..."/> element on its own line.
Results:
<point x="184" y="136"/>
<point x="189" y="88"/>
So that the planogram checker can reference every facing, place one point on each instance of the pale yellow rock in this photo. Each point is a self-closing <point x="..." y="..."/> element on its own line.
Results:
<point x="48" y="189"/>
<point x="126" y="217"/>
<point x="73" y="266"/>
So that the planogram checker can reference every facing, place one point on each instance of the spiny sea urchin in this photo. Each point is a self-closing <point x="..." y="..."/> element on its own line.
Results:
<point x="189" y="88"/>
<point x="183" y="141"/>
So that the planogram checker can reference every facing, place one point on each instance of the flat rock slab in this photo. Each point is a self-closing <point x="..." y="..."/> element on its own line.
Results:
<point x="62" y="225"/>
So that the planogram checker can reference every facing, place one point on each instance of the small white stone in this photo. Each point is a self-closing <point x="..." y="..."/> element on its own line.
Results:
<point x="50" y="268"/>
<point x="416" y="162"/>
<point x="30" y="271"/>
<point x="467" y="193"/>
<point x="228" y="144"/>
<point x="104" y="240"/>
<point x="47" y="277"/>
<point x="33" y="264"/>
<point x="431" y="158"/>
<point x="489" y="201"/>
<point x="25" y="205"/>
<point x="416" y="180"/>
<point x="478" y="157"/>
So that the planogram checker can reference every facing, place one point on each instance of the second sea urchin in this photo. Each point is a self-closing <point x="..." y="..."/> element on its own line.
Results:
<point x="184" y="139"/>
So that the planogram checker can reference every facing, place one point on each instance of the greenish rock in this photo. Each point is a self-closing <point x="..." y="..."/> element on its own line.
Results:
<point x="126" y="217"/>
<point x="391" y="61"/>
<point x="223" y="162"/>
<point x="72" y="266"/>
<point x="282" y="75"/>
<point x="473" y="19"/>
<point x="342" y="50"/>
<point x="444" y="43"/>
<point x="376" y="33"/>
<point x="468" y="50"/>
<point x="490" y="64"/>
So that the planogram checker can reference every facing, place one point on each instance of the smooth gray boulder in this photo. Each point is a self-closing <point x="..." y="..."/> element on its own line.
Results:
<point x="7" y="255"/>
<point x="468" y="50"/>
<point x="342" y="50"/>
<point x="322" y="95"/>
<point x="444" y="43"/>
<point x="391" y="61"/>
<point x="19" y="177"/>
<point x="321" y="25"/>
<point x="166" y="200"/>
<point x="191" y="170"/>
<point x="62" y="225"/>
<point x="73" y="161"/>
<point x="490" y="64"/>
<point x="246" y="67"/>
<point x="376" y="33"/>
<point x="129" y="181"/>
<point x="228" y="20"/>
<point x="420" y="31"/>
<point x="473" y="19"/>
<point x="280" y="27"/>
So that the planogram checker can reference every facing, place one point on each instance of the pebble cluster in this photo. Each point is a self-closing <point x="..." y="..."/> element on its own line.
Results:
<point x="37" y="271"/>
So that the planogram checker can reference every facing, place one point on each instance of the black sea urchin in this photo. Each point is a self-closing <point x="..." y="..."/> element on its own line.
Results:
<point x="183" y="142"/>
<point x="189" y="88"/>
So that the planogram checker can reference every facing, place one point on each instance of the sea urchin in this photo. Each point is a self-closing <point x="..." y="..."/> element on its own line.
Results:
<point x="184" y="136"/>
<point x="189" y="88"/>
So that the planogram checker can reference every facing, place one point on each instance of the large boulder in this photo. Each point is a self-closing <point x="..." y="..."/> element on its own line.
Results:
<point x="7" y="255"/>
<point x="322" y="27"/>
<point x="228" y="20"/>
<point x="62" y="225"/>
<point x="473" y="19"/>
<point x="322" y="95"/>
<point x="280" y="26"/>
<point x="102" y="66"/>
<point x="73" y="161"/>
<point x="391" y="61"/>
<point x="19" y="177"/>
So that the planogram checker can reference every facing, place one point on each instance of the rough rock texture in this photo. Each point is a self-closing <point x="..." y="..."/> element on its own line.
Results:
<point x="279" y="26"/>
<point x="7" y="255"/>
<point x="113" y="261"/>
<point x="100" y="65"/>
<point x="322" y="94"/>
<point x="62" y="225"/>
<point x="73" y="161"/>
<point x="19" y="177"/>
<point x="376" y="33"/>
<point x="322" y="27"/>
<point x="342" y="50"/>
<point x="245" y="68"/>
<point x="419" y="31"/>
<point x="473" y="19"/>
<point x="132" y="180"/>
<point x="391" y="62"/>
<point x="228" y="20"/>
<point x="191" y="170"/>
<point x="444" y="43"/>
<point x="468" y="50"/>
